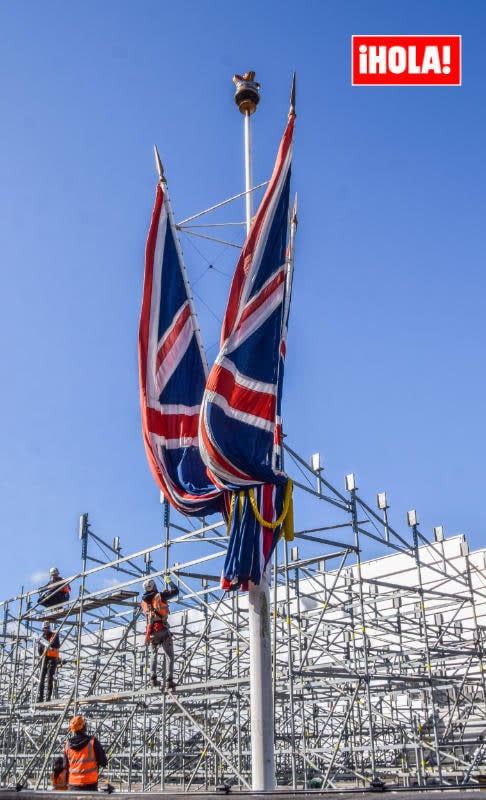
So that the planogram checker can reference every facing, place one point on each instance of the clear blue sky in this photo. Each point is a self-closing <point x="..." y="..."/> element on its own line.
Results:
<point x="385" y="372"/>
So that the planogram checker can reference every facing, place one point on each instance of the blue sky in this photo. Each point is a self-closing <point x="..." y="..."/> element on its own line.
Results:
<point x="385" y="371"/>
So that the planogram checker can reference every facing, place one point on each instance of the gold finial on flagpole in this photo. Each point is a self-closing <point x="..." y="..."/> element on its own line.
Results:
<point x="247" y="94"/>
<point x="158" y="164"/>
<point x="292" y="98"/>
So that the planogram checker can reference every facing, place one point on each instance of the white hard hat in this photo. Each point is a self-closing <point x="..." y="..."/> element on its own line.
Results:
<point x="53" y="571"/>
<point x="149" y="585"/>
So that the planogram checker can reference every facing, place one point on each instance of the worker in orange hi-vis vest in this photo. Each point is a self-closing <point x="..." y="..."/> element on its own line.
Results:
<point x="84" y="756"/>
<point x="156" y="610"/>
<point x="59" y="775"/>
<point x="56" y="591"/>
<point x="48" y="650"/>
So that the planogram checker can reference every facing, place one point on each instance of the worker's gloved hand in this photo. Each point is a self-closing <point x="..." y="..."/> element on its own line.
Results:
<point x="167" y="579"/>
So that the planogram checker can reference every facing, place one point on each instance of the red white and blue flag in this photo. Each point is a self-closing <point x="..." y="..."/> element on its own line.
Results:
<point x="240" y="413"/>
<point x="213" y="442"/>
<point x="173" y="371"/>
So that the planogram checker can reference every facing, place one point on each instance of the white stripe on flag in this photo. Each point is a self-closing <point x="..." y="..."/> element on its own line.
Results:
<point x="152" y="348"/>
<point x="241" y="416"/>
<point x="255" y="320"/>
<point x="244" y="380"/>
<point x="174" y="356"/>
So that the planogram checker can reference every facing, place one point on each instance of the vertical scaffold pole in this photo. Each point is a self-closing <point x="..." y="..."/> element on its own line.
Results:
<point x="83" y="535"/>
<point x="350" y="485"/>
<point x="164" y="698"/>
<point x="247" y="98"/>
<point x="427" y="649"/>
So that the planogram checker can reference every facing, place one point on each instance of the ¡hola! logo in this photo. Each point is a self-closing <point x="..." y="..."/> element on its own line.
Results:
<point x="406" y="60"/>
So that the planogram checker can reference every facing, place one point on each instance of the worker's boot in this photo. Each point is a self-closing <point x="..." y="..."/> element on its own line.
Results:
<point x="170" y="685"/>
<point x="154" y="681"/>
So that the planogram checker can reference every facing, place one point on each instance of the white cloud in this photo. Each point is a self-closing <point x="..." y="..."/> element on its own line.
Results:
<point x="39" y="577"/>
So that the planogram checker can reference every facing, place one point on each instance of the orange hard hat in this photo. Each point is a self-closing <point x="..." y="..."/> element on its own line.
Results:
<point x="76" y="723"/>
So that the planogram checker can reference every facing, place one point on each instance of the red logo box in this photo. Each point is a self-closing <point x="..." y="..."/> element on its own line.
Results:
<point x="406" y="60"/>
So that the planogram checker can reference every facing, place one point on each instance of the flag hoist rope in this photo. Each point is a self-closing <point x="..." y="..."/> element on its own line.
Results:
<point x="286" y="518"/>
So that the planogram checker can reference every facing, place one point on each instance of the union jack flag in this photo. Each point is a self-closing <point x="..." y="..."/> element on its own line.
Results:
<point x="240" y="425"/>
<point x="173" y="371"/>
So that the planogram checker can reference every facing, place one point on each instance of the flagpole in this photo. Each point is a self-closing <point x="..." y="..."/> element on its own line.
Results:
<point x="247" y="98"/>
<point x="248" y="173"/>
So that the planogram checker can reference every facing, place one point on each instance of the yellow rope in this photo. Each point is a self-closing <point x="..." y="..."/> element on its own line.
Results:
<point x="288" y="524"/>
<point x="241" y="500"/>
<point x="286" y="506"/>
<point x="286" y="518"/>
<point x="232" y="505"/>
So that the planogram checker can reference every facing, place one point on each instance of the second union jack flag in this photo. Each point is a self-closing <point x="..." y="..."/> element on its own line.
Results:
<point x="173" y="371"/>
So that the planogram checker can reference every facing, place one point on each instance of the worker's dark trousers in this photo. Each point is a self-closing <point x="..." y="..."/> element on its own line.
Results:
<point x="86" y="787"/>
<point x="163" y="638"/>
<point x="48" y="668"/>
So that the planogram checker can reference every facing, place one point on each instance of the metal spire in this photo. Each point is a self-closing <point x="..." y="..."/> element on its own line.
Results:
<point x="158" y="164"/>
<point x="292" y="98"/>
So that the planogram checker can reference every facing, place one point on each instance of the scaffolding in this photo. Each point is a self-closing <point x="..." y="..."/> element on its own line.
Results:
<point x="377" y="662"/>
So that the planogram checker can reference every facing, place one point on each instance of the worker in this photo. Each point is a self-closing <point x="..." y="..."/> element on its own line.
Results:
<point x="48" y="649"/>
<point x="59" y="775"/>
<point x="57" y="590"/>
<point x="156" y="610"/>
<point x="84" y="756"/>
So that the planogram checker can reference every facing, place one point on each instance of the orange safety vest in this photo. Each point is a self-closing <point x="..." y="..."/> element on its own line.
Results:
<point x="60" y="783"/>
<point x="156" y="613"/>
<point x="52" y="653"/>
<point x="83" y="766"/>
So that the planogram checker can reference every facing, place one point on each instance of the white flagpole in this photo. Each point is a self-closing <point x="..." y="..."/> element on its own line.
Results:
<point x="261" y="687"/>
<point x="248" y="173"/>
